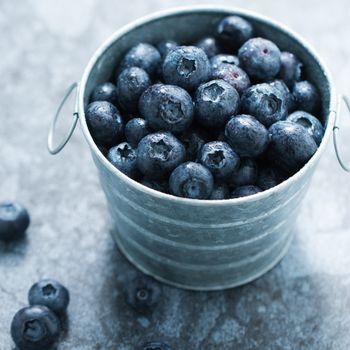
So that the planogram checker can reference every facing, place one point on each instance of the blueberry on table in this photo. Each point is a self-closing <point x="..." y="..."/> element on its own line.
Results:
<point x="191" y="180"/>
<point x="215" y="102"/>
<point x="308" y="121"/>
<point x="247" y="136"/>
<point x="131" y="83"/>
<point x="219" y="59"/>
<point x="209" y="46"/>
<point x="232" y="32"/>
<point x="219" y="158"/>
<point x="246" y="174"/>
<point x="35" y="328"/>
<point x="155" y="345"/>
<point x="135" y="130"/>
<point x="105" y="92"/>
<point x="142" y="293"/>
<point x="124" y="158"/>
<point x="260" y="58"/>
<point x="267" y="178"/>
<point x="220" y="191"/>
<point x="14" y="220"/>
<point x="291" y="146"/>
<point x="186" y="66"/>
<point x="158" y="154"/>
<point x="245" y="191"/>
<point x="193" y="139"/>
<point x="105" y="123"/>
<point x="290" y="71"/>
<point x="265" y="102"/>
<point x="233" y="75"/>
<point x="306" y="97"/>
<point x="144" y="56"/>
<point x="165" y="46"/>
<point x="51" y="294"/>
<point x="166" y="107"/>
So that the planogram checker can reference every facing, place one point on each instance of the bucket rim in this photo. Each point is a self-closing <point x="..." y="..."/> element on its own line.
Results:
<point x="224" y="10"/>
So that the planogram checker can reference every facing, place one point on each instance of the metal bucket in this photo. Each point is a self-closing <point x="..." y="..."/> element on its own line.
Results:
<point x="199" y="244"/>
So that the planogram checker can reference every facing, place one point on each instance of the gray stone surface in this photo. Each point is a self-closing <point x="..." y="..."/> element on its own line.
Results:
<point x="302" y="304"/>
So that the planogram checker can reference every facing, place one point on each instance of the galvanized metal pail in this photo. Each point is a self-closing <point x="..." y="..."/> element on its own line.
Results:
<point x="199" y="244"/>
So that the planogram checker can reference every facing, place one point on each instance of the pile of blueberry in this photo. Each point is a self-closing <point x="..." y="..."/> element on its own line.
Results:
<point x="226" y="117"/>
<point x="38" y="326"/>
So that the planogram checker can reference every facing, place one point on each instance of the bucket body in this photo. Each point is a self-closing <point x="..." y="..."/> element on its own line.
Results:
<point x="201" y="244"/>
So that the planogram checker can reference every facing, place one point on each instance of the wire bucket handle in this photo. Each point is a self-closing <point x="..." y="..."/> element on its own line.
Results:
<point x="50" y="140"/>
<point x="336" y="129"/>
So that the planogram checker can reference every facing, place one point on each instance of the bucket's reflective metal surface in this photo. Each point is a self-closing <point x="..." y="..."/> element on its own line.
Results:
<point x="201" y="245"/>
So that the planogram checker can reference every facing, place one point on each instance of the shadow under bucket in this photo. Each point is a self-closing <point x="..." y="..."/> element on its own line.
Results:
<point x="201" y="244"/>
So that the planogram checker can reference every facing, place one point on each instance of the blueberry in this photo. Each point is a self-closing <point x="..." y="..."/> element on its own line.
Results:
<point x="306" y="97"/>
<point x="186" y="66"/>
<point x="105" y="92"/>
<point x="105" y="123"/>
<point x="283" y="89"/>
<point x="308" y="121"/>
<point x="135" y="130"/>
<point x="51" y="294"/>
<point x="233" y="31"/>
<point x="14" y="220"/>
<point x="246" y="174"/>
<point x="209" y="46"/>
<point x="124" y="158"/>
<point x="144" y="56"/>
<point x="215" y="102"/>
<point x="35" y="328"/>
<point x="291" y="146"/>
<point x="265" y="102"/>
<point x="193" y="140"/>
<point x="220" y="191"/>
<point x="247" y="136"/>
<point x="191" y="180"/>
<point x="245" y="191"/>
<point x="131" y="83"/>
<point x="164" y="47"/>
<point x="217" y="60"/>
<point x="290" y="70"/>
<point x="267" y="178"/>
<point x="155" y="345"/>
<point x="167" y="107"/>
<point x="260" y="58"/>
<point x="219" y="158"/>
<point x="158" y="154"/>
<point x="142" y="293"/>
<point x="161" y="186"/>
<point x="233" y="75"/>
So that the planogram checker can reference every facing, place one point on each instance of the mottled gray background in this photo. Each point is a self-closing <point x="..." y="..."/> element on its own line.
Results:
<point x="302" y="304"/>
